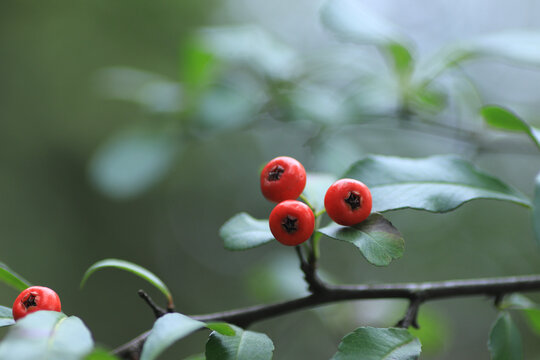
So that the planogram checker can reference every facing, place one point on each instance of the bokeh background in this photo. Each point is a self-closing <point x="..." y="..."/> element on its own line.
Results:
<point x="135" y="129"/>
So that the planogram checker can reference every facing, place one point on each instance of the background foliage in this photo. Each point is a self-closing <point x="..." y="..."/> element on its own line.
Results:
<point x="134" y="130"/>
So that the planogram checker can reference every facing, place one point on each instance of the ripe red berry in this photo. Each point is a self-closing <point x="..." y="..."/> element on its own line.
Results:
<point x="33" y="299"/>
<point x="348" y="202"/>
<point x="292" y="222"/>
<point x="283" y="178"/>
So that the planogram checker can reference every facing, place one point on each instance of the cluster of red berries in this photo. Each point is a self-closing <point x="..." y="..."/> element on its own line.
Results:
<point x="33" y="299"/>
<point x="347" y="201"/>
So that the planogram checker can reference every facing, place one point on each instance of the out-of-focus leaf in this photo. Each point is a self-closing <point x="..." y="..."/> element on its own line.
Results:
<point x="536" y="208"/>
<point x="505" y="340"/>
<point x="166" y="331"/>
<point x="132" y="268"/>
<point x="504" y="119"/>
<point x="198" y="65"/>
<point x="100" y="354"/>
<point x="316" y="186"/>
<point x="368" y="343"/>
<point x="350" y="20"/>
<point x="244" y="345"/>
<point x="47" y="335"/>
<point x="153" y="92"/>
<point x="12" y="279"/>
<point x="242" y="232"/>
<point x="132" y="162"/>
<point x="376" y="238"/>
<point x="438" y="184"/>
<point x="320" y="104"/>
<point x="224" y="107"/>
<point x="401" y="58"/>
<point x="252" y="46"/>
<point x="196" y="357"/>
<point x="434" y="332"/>
<point x="6" y="317"/>
<point x="520" y="47"/>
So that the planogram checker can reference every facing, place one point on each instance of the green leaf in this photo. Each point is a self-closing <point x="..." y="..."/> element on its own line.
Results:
<point x="504" y="119"/>
<point x="437" y="184"/>
<point x="132" y="162"/>
<point x="12" y="279"/>
<point x="242" y="232"/>
<point x="402" y="59"/>
<point x="132" y="268"/>
<point x="536" y="208"/>
<point x="100" y="354"/>
<point x="198" y="65"/>
<point x="222" y="328"/>
<point x="315" y="190"/>
<point x="504" y="339"/>
<point x="369" y="343"/>
<point x="6" y="317"/>
<point x="529" y="309"/>
<point x="376" y="238"/>
<point x="166" y="331"/>
<point x="244" y="345"/>
<point x="47" y="335"/>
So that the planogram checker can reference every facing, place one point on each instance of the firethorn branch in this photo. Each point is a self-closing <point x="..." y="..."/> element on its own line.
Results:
<point x="322" y="293"/>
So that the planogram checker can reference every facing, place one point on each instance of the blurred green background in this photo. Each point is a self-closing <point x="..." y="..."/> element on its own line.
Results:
<point x="135" y="129"/>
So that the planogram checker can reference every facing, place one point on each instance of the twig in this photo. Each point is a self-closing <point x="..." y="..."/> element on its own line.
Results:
<point x="158" y="311"/>
<point x="411" y="315"/>
<point x="421" y="292"/>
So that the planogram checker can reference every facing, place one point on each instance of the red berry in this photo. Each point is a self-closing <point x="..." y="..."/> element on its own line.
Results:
<point x="348" y="202"/>
<point x="33" y="299"/>
<point x="292" y="222"/>
<point x="283" y="178"/>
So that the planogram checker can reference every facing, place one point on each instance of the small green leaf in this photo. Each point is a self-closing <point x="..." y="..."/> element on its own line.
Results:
<point x="47" y="335"/>
<point x="505" y="340"/>
<point x="132" y="268"/>
<point x="12" y="279"/>
<point x="504" y="119"/>
<point x="242" y="232"/>
<point x="222" y="328"/>
<point x="368" y="343"/>
<point x="244" y="345"/>
<point x="198" y="65"/>
<point x="6" y="317"/>
<point x="132" y="162"/>
<point x="166" y="331"/>
<point x="100" y="354"/>
<point x="438" y="184"/>
<point x="376" y="238"/>
<point x="316" y="186"/>
<point x="401" y="58"/>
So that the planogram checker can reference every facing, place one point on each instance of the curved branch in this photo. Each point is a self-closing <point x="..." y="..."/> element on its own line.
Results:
<point x="417" y="293"/>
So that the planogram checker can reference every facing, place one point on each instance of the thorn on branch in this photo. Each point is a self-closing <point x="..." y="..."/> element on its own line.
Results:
<point x="497" y="301"/>
<point x="158" y="311"/>
<point x="411" y="316"/>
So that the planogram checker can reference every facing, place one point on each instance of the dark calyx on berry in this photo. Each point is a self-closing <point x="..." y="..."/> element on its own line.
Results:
<point x="354" y="200"/>
<point x="275" y="173"/>
<point x="29" y="300"/>
<point x="289" y="224"/>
